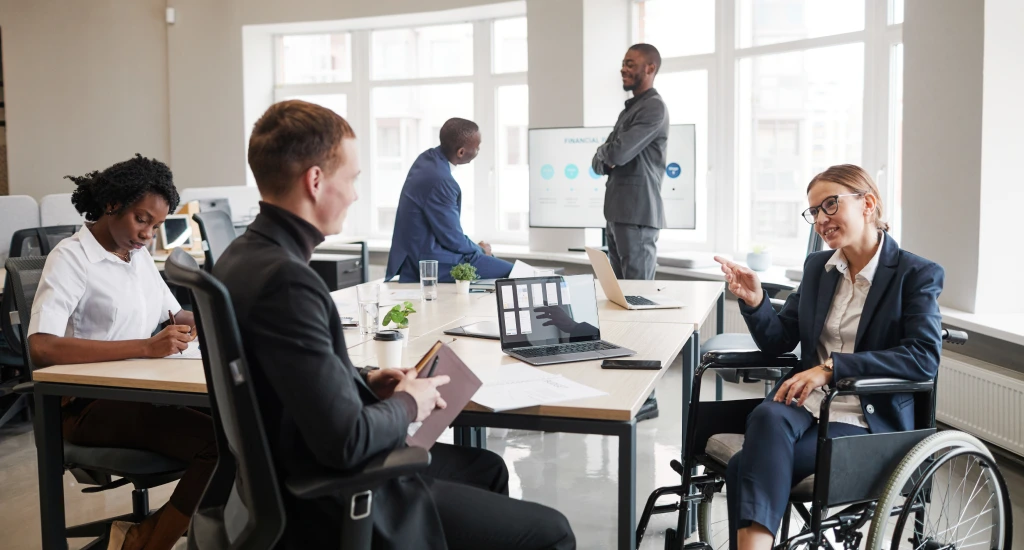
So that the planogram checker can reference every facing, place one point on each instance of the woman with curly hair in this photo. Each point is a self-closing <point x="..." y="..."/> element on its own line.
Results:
<point x="100" y="298"/>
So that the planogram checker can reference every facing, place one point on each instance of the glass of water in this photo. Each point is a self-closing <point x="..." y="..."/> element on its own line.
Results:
<point x="369" y="308"/>
<point x="428" y="279"/>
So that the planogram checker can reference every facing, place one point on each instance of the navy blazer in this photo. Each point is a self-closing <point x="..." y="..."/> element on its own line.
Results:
<point x="428" y="222"/>
<point x="899" y="335"/>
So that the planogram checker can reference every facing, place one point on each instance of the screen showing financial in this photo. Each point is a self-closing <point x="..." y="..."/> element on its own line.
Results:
<point x="566" y="192"/>
<point x="537" y="311"/>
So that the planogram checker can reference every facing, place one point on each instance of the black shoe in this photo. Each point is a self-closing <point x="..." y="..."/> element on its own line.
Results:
<point x="648" y="410"/>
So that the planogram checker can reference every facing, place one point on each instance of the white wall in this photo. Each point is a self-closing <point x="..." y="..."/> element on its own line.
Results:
<point x="606" y="35"/>
<point x="85" y="86"/>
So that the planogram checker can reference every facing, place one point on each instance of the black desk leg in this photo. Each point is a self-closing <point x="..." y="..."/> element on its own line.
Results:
<point x="627" y="486"/>
<point x="720" y="328"/>
<point x="50" y="461"/>
<point x="691" y="357"/>
<point x="364" y="252"/>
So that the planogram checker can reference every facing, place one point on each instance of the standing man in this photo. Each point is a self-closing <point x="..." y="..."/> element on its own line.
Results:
<point x="633" y="157"/>
<point x="428" y="223"/>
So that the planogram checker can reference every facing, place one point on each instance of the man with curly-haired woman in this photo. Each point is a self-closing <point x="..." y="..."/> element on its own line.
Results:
<point x="101" y="298"/>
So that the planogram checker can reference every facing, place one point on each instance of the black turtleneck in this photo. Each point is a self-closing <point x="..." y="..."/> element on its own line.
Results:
<point x="305" y="233"/>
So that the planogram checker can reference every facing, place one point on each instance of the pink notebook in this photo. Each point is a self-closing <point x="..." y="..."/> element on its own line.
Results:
<point x="456" y="394"/>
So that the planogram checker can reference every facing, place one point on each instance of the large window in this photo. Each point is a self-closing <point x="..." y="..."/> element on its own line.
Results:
<point x="779" y="90"/>
<point x="398" y="86"/>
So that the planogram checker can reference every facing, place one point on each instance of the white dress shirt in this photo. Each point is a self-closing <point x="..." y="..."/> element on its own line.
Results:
<point x="840" y="333"/>
<point x="87" y="292"/>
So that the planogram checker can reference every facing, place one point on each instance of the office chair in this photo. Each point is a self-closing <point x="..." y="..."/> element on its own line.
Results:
<point x="92" y="466"/>
<point x="16" y="212"/>
<point x="217" y="232"/>
<point x="242" y="506"/>
<point x="736" y="342"/>
<point x="39" y="241"/>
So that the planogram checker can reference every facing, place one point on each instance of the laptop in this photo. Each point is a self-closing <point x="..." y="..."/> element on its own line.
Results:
<point x="552" y="319"/>
<point x="603" y="269"/>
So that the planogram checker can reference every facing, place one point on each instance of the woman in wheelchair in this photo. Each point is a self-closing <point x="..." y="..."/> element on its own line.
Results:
<point x="864" y="308"/>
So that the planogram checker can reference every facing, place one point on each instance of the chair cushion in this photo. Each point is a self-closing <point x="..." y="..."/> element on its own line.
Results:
<point x="119" y="462"/>
<point x="722" y="447"/>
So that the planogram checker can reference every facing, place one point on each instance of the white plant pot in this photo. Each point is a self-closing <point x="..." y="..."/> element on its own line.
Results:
<point x="462" y="287"/>
<point x="759" y="262"/>
<point x="403" y="331"/>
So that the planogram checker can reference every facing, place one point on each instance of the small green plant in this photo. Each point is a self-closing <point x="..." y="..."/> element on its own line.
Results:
<point x="760" y="248"/>
<point x="399" y="315"/>
<point x="464" y="272"/>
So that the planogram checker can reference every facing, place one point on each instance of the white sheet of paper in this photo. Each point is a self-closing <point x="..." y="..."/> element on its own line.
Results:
<point x="405" y="294"/>
<point x="518" y="395"/>
<point x="522" y="269"/>
<point x="191" y="353"/>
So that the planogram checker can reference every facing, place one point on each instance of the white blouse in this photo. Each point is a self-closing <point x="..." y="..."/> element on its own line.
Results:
<point x="840" y="333"/>
<point x="87" y="292"/>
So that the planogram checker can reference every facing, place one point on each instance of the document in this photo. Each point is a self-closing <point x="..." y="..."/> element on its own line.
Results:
<point x="191" y="353"/>
<point x="523" y="269"/>
<point x="511" y="387"/>
<point x="405" y="294"/>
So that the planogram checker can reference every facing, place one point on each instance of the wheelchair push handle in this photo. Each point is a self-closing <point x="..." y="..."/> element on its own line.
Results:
<point x="952" y="336"/>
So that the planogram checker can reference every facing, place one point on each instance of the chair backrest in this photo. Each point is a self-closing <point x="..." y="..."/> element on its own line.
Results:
<point x="217" y="231"/>
<point x="39" y="241"/>
<point x="244" y="200"/>
<point x="16" y="212"/>
<point x="233" y="398"/>
<point x="23" y="279"/>
<point x="57" y="209"/>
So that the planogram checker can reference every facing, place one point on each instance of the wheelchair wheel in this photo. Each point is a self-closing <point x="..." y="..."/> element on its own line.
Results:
<point x="713" y="522"/>
<point x="946" y="493"/>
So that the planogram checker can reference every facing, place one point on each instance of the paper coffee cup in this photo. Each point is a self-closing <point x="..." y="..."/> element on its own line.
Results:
<point x="389" y="349"/>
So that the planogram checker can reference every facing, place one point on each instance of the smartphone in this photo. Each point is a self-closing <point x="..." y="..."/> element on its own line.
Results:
<point x="349" y="322"/>
<point x="630" y="364"/>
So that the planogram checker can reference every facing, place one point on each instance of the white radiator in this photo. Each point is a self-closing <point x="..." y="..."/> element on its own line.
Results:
<point x="982" y="399"/>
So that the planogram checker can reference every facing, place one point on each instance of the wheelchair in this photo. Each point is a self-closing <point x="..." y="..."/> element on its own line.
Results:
<point x="918" y="490"/>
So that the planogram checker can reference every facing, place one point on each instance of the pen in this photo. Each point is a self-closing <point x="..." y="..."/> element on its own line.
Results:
<point x="433" y="366"/>
<point x="173" y="322"/>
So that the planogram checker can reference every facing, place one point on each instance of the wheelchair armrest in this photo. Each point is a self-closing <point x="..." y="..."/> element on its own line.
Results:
<point x="867" y="385"/>
<point x="25" y="388"/>
<point x="748" y="359"/>
<point x="777" y="304"/>
<point x="385" y="466"/>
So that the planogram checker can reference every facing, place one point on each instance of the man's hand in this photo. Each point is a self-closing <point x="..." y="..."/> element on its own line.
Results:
<point x="383" y="381"/>
<point x="485" y="247"/>
<point x="802" y="384"/>
<point x="424" y="391"/>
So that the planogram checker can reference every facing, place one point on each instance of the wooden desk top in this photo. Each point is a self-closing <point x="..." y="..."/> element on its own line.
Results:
<point x="699" y="299"/>
<point x="184" y="375"/>
<point x="627" y="390"/>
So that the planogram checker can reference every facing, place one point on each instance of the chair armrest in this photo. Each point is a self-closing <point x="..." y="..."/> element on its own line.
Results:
<point x="25" y="388"/>
<point x="867" y="385"/>
<point x="385" y="466"/>
<point x="751" y="359"/>
<point x="777" y="304"/>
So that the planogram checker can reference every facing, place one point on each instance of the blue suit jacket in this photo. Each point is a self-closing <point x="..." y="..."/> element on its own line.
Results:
<point x="899" y="336"/>
<point x="428" y="223"/>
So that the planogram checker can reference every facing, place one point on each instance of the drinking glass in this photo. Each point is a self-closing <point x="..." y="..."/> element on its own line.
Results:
<point x="369" y="308"/>
<point x="428" y="279"/>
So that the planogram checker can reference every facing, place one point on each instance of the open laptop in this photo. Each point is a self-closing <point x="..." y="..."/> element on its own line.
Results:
<point x="603" y="269"/>
<point x="552" y="319"/>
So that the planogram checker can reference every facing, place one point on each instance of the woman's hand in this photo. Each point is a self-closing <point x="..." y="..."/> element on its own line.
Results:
<point x="801" y="385"/>
<point x="742" y="282"/>
<point x="172" y="339"/>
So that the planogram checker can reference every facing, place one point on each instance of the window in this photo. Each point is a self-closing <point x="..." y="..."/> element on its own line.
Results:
<point x="894" y="197"/>
<point x="686" y="95"/>
<point x="760" y="22"/>
<point x="510" y="46"/>
<point x="314" y="58"/>
<point x="335" y="102"/>
<point x="424" y="52"/>
<point x="676" y="28"/>
<point x="512" y="107"/>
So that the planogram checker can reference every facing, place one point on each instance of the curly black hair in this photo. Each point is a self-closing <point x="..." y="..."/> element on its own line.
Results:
<point x="121" y="186"/>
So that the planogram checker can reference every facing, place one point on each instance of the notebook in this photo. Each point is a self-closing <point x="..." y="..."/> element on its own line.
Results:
<point x="456" y="394"/>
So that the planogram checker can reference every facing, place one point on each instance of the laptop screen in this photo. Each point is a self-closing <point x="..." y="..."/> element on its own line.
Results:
<point x="538" y="311"/>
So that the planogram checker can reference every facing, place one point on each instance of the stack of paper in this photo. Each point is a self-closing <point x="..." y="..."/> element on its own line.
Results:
<point x="517" y="386"/>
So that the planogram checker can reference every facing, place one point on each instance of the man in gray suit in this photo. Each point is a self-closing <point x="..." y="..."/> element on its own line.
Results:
<point x="633" y="157"/>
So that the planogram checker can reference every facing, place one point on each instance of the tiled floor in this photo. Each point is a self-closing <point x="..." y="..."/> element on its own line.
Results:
<point x="576" y="474"/>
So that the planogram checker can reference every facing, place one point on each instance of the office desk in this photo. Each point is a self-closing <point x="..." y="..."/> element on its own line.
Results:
<point x="613" y="414"/>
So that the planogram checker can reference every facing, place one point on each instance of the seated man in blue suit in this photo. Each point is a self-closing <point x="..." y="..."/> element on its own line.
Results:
<point x="427" y="224"/>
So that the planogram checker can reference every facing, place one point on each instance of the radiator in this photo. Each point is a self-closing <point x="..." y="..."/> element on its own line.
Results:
<point x="982" y="399"/>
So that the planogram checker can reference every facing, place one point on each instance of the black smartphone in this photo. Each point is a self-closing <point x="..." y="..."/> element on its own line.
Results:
<point x="630" y="364"/>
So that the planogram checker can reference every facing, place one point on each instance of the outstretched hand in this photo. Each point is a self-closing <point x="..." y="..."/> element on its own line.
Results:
<point x="742" y="282"/>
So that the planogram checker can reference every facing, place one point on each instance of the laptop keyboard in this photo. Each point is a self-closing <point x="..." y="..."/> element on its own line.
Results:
<point x="559" y="349"/>
<point x="639" y="301"/>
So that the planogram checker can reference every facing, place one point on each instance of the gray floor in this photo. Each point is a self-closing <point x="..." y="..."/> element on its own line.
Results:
<point x="576" y="474"/>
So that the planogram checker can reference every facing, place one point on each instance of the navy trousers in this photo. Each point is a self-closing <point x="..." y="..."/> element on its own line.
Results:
<point x="778" y="452"/>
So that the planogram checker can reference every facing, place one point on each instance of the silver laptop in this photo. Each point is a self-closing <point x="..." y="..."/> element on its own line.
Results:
<point x="605" y="274"/>
<point x="552" y="319"/>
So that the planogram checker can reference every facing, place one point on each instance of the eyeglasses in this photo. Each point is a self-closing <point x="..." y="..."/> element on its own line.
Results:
<point x="830" y="206"/>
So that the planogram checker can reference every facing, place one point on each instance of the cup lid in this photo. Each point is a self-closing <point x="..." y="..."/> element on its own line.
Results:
<point x="388" y="335"/>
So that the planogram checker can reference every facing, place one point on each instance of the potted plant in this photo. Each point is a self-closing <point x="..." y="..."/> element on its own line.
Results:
<point x="464" y="274"/>
<point x="399" y="317"/>
<point x="760" y="259"/>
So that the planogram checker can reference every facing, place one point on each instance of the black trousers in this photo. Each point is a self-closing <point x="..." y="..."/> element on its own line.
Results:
<point x="470" y="490"/>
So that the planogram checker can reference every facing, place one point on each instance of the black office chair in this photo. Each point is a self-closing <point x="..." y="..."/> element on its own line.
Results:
<point x="39" y="241"/>
<point x="217" y="232"/>
<point x="93" y="466"/>
<point x="736" y="342"/>
<point x="242" y="505"/>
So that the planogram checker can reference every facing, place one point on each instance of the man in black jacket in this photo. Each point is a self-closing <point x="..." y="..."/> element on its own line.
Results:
<point x="320" y="411"/>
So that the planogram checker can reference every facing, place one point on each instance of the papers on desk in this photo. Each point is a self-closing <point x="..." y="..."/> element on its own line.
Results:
<point x="191" y="353"/>
<point x="523" y="269"/>
<point x="404" y="295"/>
<point x="518" y="386"/>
